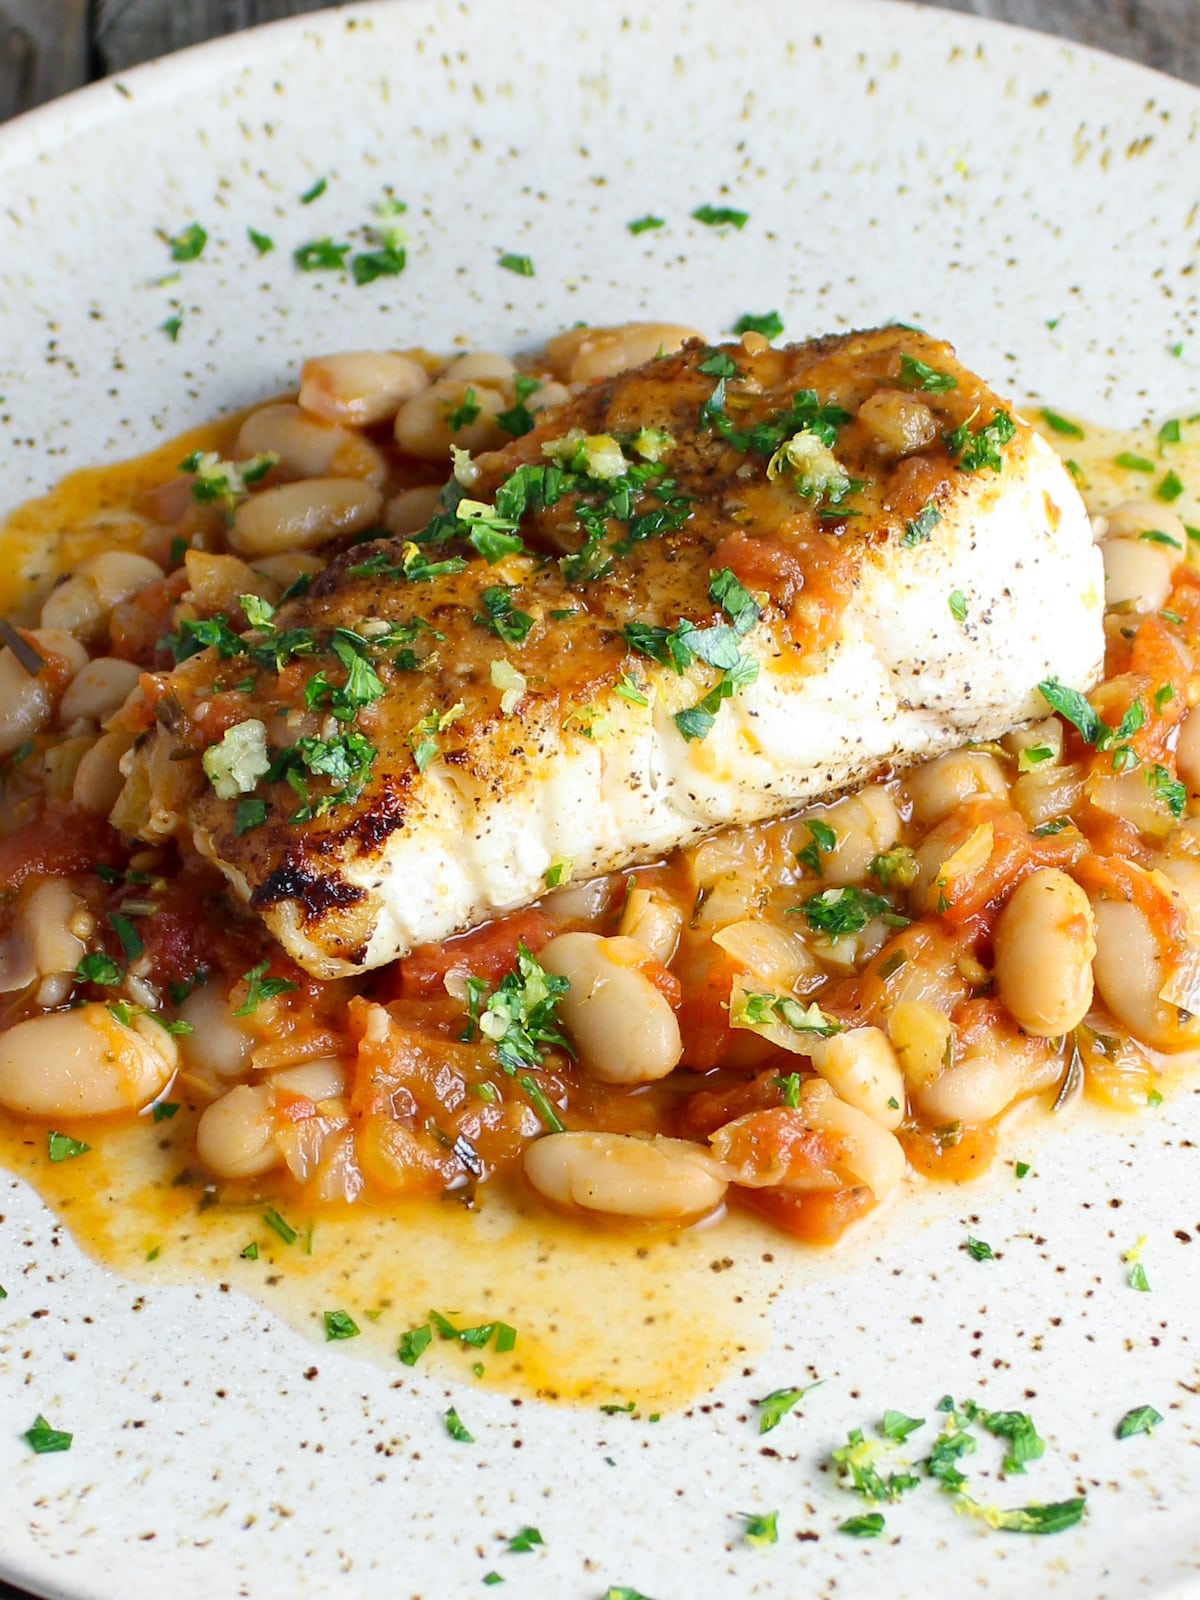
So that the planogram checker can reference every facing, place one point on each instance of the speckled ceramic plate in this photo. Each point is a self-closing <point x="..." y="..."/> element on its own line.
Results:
<point x="1034" y="203"/>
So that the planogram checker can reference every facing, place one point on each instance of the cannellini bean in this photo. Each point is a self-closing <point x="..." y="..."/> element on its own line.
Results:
<point x="653" y="922"/>
<point x="622" y="1026"/>
<point x="621" y="1175"/>
<point x="119" y="575"/>
<point x="480" y="366"/>
<point x="1045" y="941"/>
<point x="821" y="1144"/>
<point x="48" y="920"/>
<point x="83" y="603"/>
<point x="581" y="354"/>
<point x="359" y="386"/>
<point x="235" y="1137"/>
<point x="98" y="778"/>
<point x="861" y="1068"/>
<point x="286" y="568"/>
<point x="1137" y="574"/>
<point x="410" y="510"/>
<point x="26" y="703"/>
<point x="1132" y="967"/>
<point x="921" y="1036"/>
<point x="1048" y="792"/>
<point x="303" y="515"/>
<point x="218" y="1043"/>
<point x="83" y="1063"/>
<point x="975" y="1089"/>
<point x="939" y="786"/>
<point x="423" y="425"/>
<point x="1187" y="752"/>
<point x="865" y="825"/>
<point x="308" y="447"/>
<point x="216" y="581"/>
<point x="102" y="688"/>
<point x="546" y="395"/>
<point x="1134" y="517"/>
<point x="324" y="1079"/>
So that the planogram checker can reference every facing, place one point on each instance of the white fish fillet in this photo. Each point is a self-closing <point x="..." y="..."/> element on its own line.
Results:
<point x="583" y="774"/>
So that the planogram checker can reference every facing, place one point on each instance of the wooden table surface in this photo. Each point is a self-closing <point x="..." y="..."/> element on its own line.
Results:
<point x="50" y="46"/>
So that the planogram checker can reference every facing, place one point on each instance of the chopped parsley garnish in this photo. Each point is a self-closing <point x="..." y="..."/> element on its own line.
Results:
<point x="345" y="759"/>
<point x="1170" y="488"/>
<point x="1021" y="1169"/>
<point x="340" y="1325"/>
<point x="558" y="872"/>
<point x="250" y="1253"/>
<point x="645" y="224"/>
<point x="761" y="1527"/>
<point x="721" y="217"/>
<point x="279" y="1225"/>
<point x="895" y="868"/>
<point x="188" y="243"/>
<point x="456" y="1428"/>
<point x="916" y="374"/>
<point x="1138" y="1279"/>
<point x="522" y="1543"/>
<point x="822" y="840"/>
<point x="163" y="1110"/>
<point x="44" y="1440"/>
<point x="1157" y="536"/>
<point x="1038" y="1519"/>
<point x="868" y="1526"/>
<point x="314" y="193"/>
<point x="979" y="1250"/>
<point x="61" y="1147"/>
<point x="500" y="616"/>
<point x="958" y="606"/>
<point x="897" y="1427"/>
<point x="846" y="910"/>
<point x="1142" y="1419"/>
<point x="979" y="448"/>
<point x="464" y="413"/>
<point x="1169" y="432"/>
<point x="518" y="419"/>
<point x="423" y="736"/>
<point x="918" y="529"/>
<point x="172" y="326"/>
<point x="259" y="988"/>
<point x="96" y="967"/>
<point x="262" y="242"/>
<point x="1075" y="709"/>
<point x="758" y="1012"/>
<point x="1016" y="1427"/>
<point x="1060" y="424"/>
<point x="131" y="940"/>
<point x="773" y="1407"/>
<point x="1133" y="463"/>
<point x="321" y="255"/>
<point x="1168" y="791"/>
<point x="768" y="323"/>
<point x="855" y="1462"/>
<point x="249" y="814"/>
<point x="521" y="265"/>
<point x="414" y="1343"/>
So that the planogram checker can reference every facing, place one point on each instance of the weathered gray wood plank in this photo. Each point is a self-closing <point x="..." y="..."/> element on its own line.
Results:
<point x="1158" y="33"/>
<point x="128" y="31"/>
<point x="44" y="51"/>
<point x="50" y="46"/>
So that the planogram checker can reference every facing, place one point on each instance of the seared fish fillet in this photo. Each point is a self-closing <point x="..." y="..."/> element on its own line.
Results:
<point x="746" y="581"/>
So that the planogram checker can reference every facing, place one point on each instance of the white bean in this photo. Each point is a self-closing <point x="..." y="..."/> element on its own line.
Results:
<point x="621" y="1175"/>
<point x="102" y="688"/>
<point x="1187" y="752"/>
<point x="940" y="786"/>
<point x="423" y="423"/>
<point x="26" y="703"/>
<point x="1137" y="574"/>
<point x="47" y="920"/>
<point x="1133" y="967"/>
<point x="359" y="386"/>
<point x="582" y="354"/>
<point x="480" y="366"/>
<point x="303" y="515"/>
<point x="98" y="777"/>
<point x="83" y="1063"/>
<point x="218" y="1043"/>
<point x="653" y="922"/>
<point x="865" y="825"/>
<point x="860" y="1067"/>
<point x="324" y="1079"/>
<point x="83" y="603"/>
<point x="235" y="1137"/>
<point x="975" y="1089"/>
<point x="308" y="447"/>
<point x="1044" y="944"/>
<point x="410" y="510"/>
<point x="1134" y="517"/>
<point x="921" y="1036"/>
<point x="622" y="1026"/>
<point x="776" y="1149"/>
